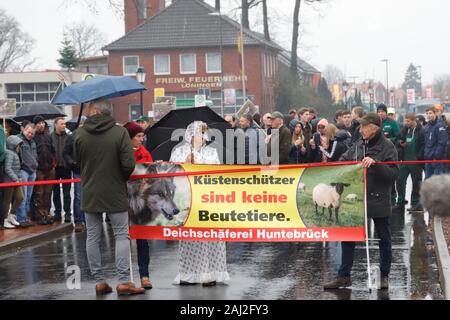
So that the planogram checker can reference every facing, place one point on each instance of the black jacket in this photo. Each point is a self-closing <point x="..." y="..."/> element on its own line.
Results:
<point x="45" y="150"/>
<point x="420" y="141"/>
<point x="69" y="153"/>
<point x="380" y="177"/>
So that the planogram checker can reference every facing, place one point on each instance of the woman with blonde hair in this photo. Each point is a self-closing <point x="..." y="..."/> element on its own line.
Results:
<point x="335" y="146"/>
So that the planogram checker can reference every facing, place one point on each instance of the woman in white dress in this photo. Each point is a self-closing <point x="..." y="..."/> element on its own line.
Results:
<point x="200" y="261"/>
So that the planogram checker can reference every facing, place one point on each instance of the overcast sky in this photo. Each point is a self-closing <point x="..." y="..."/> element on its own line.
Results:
<point x="351" y="34"/>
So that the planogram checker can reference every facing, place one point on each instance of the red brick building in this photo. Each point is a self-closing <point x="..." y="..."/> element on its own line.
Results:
<point x="181" y="48"/>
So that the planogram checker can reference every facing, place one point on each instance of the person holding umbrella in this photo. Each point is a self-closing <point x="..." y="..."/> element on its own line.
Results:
<point x="141" y="155"/>
<point x="105" y="155"/>
<point x="200" y="261"/>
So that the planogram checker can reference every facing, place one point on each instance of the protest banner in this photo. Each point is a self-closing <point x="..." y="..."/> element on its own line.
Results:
<point x="247" y="203"/>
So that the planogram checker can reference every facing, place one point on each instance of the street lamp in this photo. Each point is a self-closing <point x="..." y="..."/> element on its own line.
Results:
<point x="140" y="77"/>
<point x="345" y="88"/>
<point x="371" y="98"/>
<point x="387" y="79"/>
<point x="218" y="14"/>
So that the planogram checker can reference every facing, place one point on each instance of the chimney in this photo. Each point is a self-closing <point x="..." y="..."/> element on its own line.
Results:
<point x="137" y="11"/>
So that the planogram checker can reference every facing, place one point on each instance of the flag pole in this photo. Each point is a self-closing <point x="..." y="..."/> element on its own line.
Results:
<point x="243" y="63"/>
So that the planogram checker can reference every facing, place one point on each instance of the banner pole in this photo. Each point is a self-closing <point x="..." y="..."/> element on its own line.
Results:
<point x="367" y="232"/>
<point x="131" y="266"/>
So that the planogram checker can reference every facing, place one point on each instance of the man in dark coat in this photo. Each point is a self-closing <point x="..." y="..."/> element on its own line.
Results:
<point x="42" y="194"/>
<point x="283" y="138"/>
<point x="59" y="137"/>
<point x="410" y="142"/>
<point x="436" y="139"/>
<point x="106" y="158"/>
<point x="374" y="147"/>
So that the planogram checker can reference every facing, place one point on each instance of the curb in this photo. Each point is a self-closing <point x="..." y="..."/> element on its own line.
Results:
<point x="443" y="257"/>
<point x="34" y="239"/>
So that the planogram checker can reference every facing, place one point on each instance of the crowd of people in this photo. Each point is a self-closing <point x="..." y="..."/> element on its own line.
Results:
<point x="303" y="137"/>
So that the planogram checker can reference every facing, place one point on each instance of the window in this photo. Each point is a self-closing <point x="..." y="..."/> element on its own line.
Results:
<point x="130" y="65"/>
<point x="188" y="63"/>
<point x="162" y="64"/>
<point x="31" y="92"/>
<point x="142" y="9"/>
<point x="213" y="62"/>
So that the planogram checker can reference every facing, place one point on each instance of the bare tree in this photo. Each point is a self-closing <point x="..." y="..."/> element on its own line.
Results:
<point x="217" y="5"/>
<point x="295" y="32"/>
<point x="333" y="74"/>
<point x="265" y="20"/>
<point x="296" y="24"/>
<point x="15" y="45"/>
<point x="93" y="5"/>
<point x="441" y="85"/>
<point x="86" y="39"/>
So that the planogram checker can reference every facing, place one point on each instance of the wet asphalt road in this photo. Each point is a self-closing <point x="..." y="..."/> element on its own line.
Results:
<point x="257" y="270"/>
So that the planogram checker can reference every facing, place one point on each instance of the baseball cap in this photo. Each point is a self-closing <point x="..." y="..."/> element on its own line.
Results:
<point x="439" y="107"/>
<point x="390" y="110"/>
<point x="143" y="119"/>
<point x="370" y="118"/>
<point x="276" y="115"/>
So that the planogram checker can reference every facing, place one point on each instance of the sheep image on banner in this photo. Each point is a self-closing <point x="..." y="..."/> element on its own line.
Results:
<point x="247" y="203"/>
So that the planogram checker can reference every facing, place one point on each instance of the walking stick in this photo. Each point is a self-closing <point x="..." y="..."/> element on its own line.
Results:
<point x="367" y="232"/>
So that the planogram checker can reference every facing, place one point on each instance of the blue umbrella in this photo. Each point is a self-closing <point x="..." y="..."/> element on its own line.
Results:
<point x="96" y="88"/>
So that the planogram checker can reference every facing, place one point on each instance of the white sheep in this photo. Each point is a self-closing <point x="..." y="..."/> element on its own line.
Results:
<point x="352" y="197"/>
<point x="302" y="187"/>
<point x="329" y="196"/>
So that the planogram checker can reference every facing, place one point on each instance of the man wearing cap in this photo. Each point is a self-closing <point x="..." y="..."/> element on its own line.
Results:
<point x="143" y="122"/>
<point x="42" y="194"/>
<point x="373" y="148"/>
<point x="283" y="137"/>
<point x="390" y="127"/>
<point x="436" y="140"/>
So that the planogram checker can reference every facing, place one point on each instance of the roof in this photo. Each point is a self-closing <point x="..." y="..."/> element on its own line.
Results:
<point x="94" y="58"/>
<point x="187" y="23"/>
<point x="302" y="65"/>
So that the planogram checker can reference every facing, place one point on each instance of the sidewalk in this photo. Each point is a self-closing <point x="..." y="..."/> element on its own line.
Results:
<point x="441" y="234"/>
<point x="15" y="239"/>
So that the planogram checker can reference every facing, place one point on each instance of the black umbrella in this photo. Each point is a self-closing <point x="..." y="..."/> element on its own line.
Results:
<point x="46" y="110"/>
<point x="15" y="127"/>
<point x="159" y="135"/>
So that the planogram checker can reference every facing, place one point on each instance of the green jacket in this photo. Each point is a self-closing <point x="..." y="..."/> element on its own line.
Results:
<point x="391" y="129"/>
<point x="106" y="159"/>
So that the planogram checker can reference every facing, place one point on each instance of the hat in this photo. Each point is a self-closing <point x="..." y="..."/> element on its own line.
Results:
<point x="370" y="118"/>
<point x="133" y="129"/>
<point x="323" y="122"/>
<point x="276" y="115"/>
<point x="143" y="119"/>
<point x="390" y="111"/>
<point x="439" y="107"/>
<point x="382" y="106"/>
<point x="38" y="119"/>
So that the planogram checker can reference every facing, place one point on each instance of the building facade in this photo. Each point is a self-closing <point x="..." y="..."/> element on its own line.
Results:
<point x="186" y="49"/>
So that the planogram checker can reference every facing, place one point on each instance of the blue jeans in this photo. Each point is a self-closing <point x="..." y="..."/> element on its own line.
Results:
<point x="27" y="192"/>
<point x="383" y="232"/>
<point x="78" y="214"/>
<point x="434" y="168"/>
